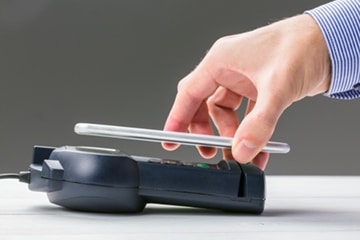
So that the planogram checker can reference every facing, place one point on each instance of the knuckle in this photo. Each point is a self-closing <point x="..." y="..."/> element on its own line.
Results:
<point x="222" y="41"/>
<point x="180" y="83"/>
<point x="213" y="106"/>
<point x="210" y="102"/>
<point x="265" y="126"/>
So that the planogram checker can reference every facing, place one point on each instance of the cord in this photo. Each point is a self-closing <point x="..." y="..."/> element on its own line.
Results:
<point x="23" y="176"/>
<point x="9" y="175"/>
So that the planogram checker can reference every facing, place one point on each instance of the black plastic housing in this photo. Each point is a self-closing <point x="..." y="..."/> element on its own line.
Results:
<point x="106" y="180"/>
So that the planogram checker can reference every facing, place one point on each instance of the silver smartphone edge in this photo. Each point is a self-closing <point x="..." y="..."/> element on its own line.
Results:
<point x="153" y="135"/>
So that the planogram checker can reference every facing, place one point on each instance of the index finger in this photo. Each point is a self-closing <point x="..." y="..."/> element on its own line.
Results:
<point x="192" y="91"/>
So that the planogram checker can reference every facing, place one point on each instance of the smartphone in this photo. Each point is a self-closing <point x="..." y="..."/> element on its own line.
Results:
<point x="152" y="135"/>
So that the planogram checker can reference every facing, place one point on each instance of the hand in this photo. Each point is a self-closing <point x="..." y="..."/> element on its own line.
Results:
<point x="272" y="67"/>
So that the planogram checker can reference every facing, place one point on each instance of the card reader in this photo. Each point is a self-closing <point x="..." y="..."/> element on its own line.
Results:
<point x="108" y="180"/>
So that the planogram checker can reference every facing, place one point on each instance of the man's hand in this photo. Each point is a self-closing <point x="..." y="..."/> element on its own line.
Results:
<point x="272" y="67"/>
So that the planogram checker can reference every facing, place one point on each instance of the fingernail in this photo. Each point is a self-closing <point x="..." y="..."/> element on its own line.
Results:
<point x="244" y="151"/>
<point x="169" y="146"/>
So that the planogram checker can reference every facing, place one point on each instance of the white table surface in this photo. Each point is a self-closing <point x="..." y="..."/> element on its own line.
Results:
<point x="305" y="207"/>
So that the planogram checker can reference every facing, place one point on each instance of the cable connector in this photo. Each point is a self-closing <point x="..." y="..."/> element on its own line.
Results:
<point x="24" y="176"/>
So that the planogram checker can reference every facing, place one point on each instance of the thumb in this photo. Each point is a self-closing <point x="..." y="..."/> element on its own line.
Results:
<point x="257" y="127"/>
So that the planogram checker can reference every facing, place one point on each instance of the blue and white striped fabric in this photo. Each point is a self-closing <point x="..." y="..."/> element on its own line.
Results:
<point x="340" y="24"/>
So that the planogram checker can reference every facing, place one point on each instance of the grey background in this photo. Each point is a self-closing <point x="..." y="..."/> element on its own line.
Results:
<point x="118" y="62"/>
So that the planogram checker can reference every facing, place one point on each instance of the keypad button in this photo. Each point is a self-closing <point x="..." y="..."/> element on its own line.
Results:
<point x="203" y="165"/>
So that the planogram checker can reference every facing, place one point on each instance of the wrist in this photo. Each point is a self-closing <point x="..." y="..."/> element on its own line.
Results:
<point x="308" y="57"/>
<point x="317" y="45"/>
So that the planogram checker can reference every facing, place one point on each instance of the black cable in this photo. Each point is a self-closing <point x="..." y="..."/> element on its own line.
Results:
<point x="9" y="175"/>
<point x="23" y="176"/>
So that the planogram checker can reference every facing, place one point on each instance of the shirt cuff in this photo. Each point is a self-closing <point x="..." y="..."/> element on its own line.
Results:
<point x="339" y="22"/>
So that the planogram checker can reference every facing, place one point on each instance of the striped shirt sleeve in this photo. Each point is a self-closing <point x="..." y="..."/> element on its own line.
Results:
<point x="340" y="24"/>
